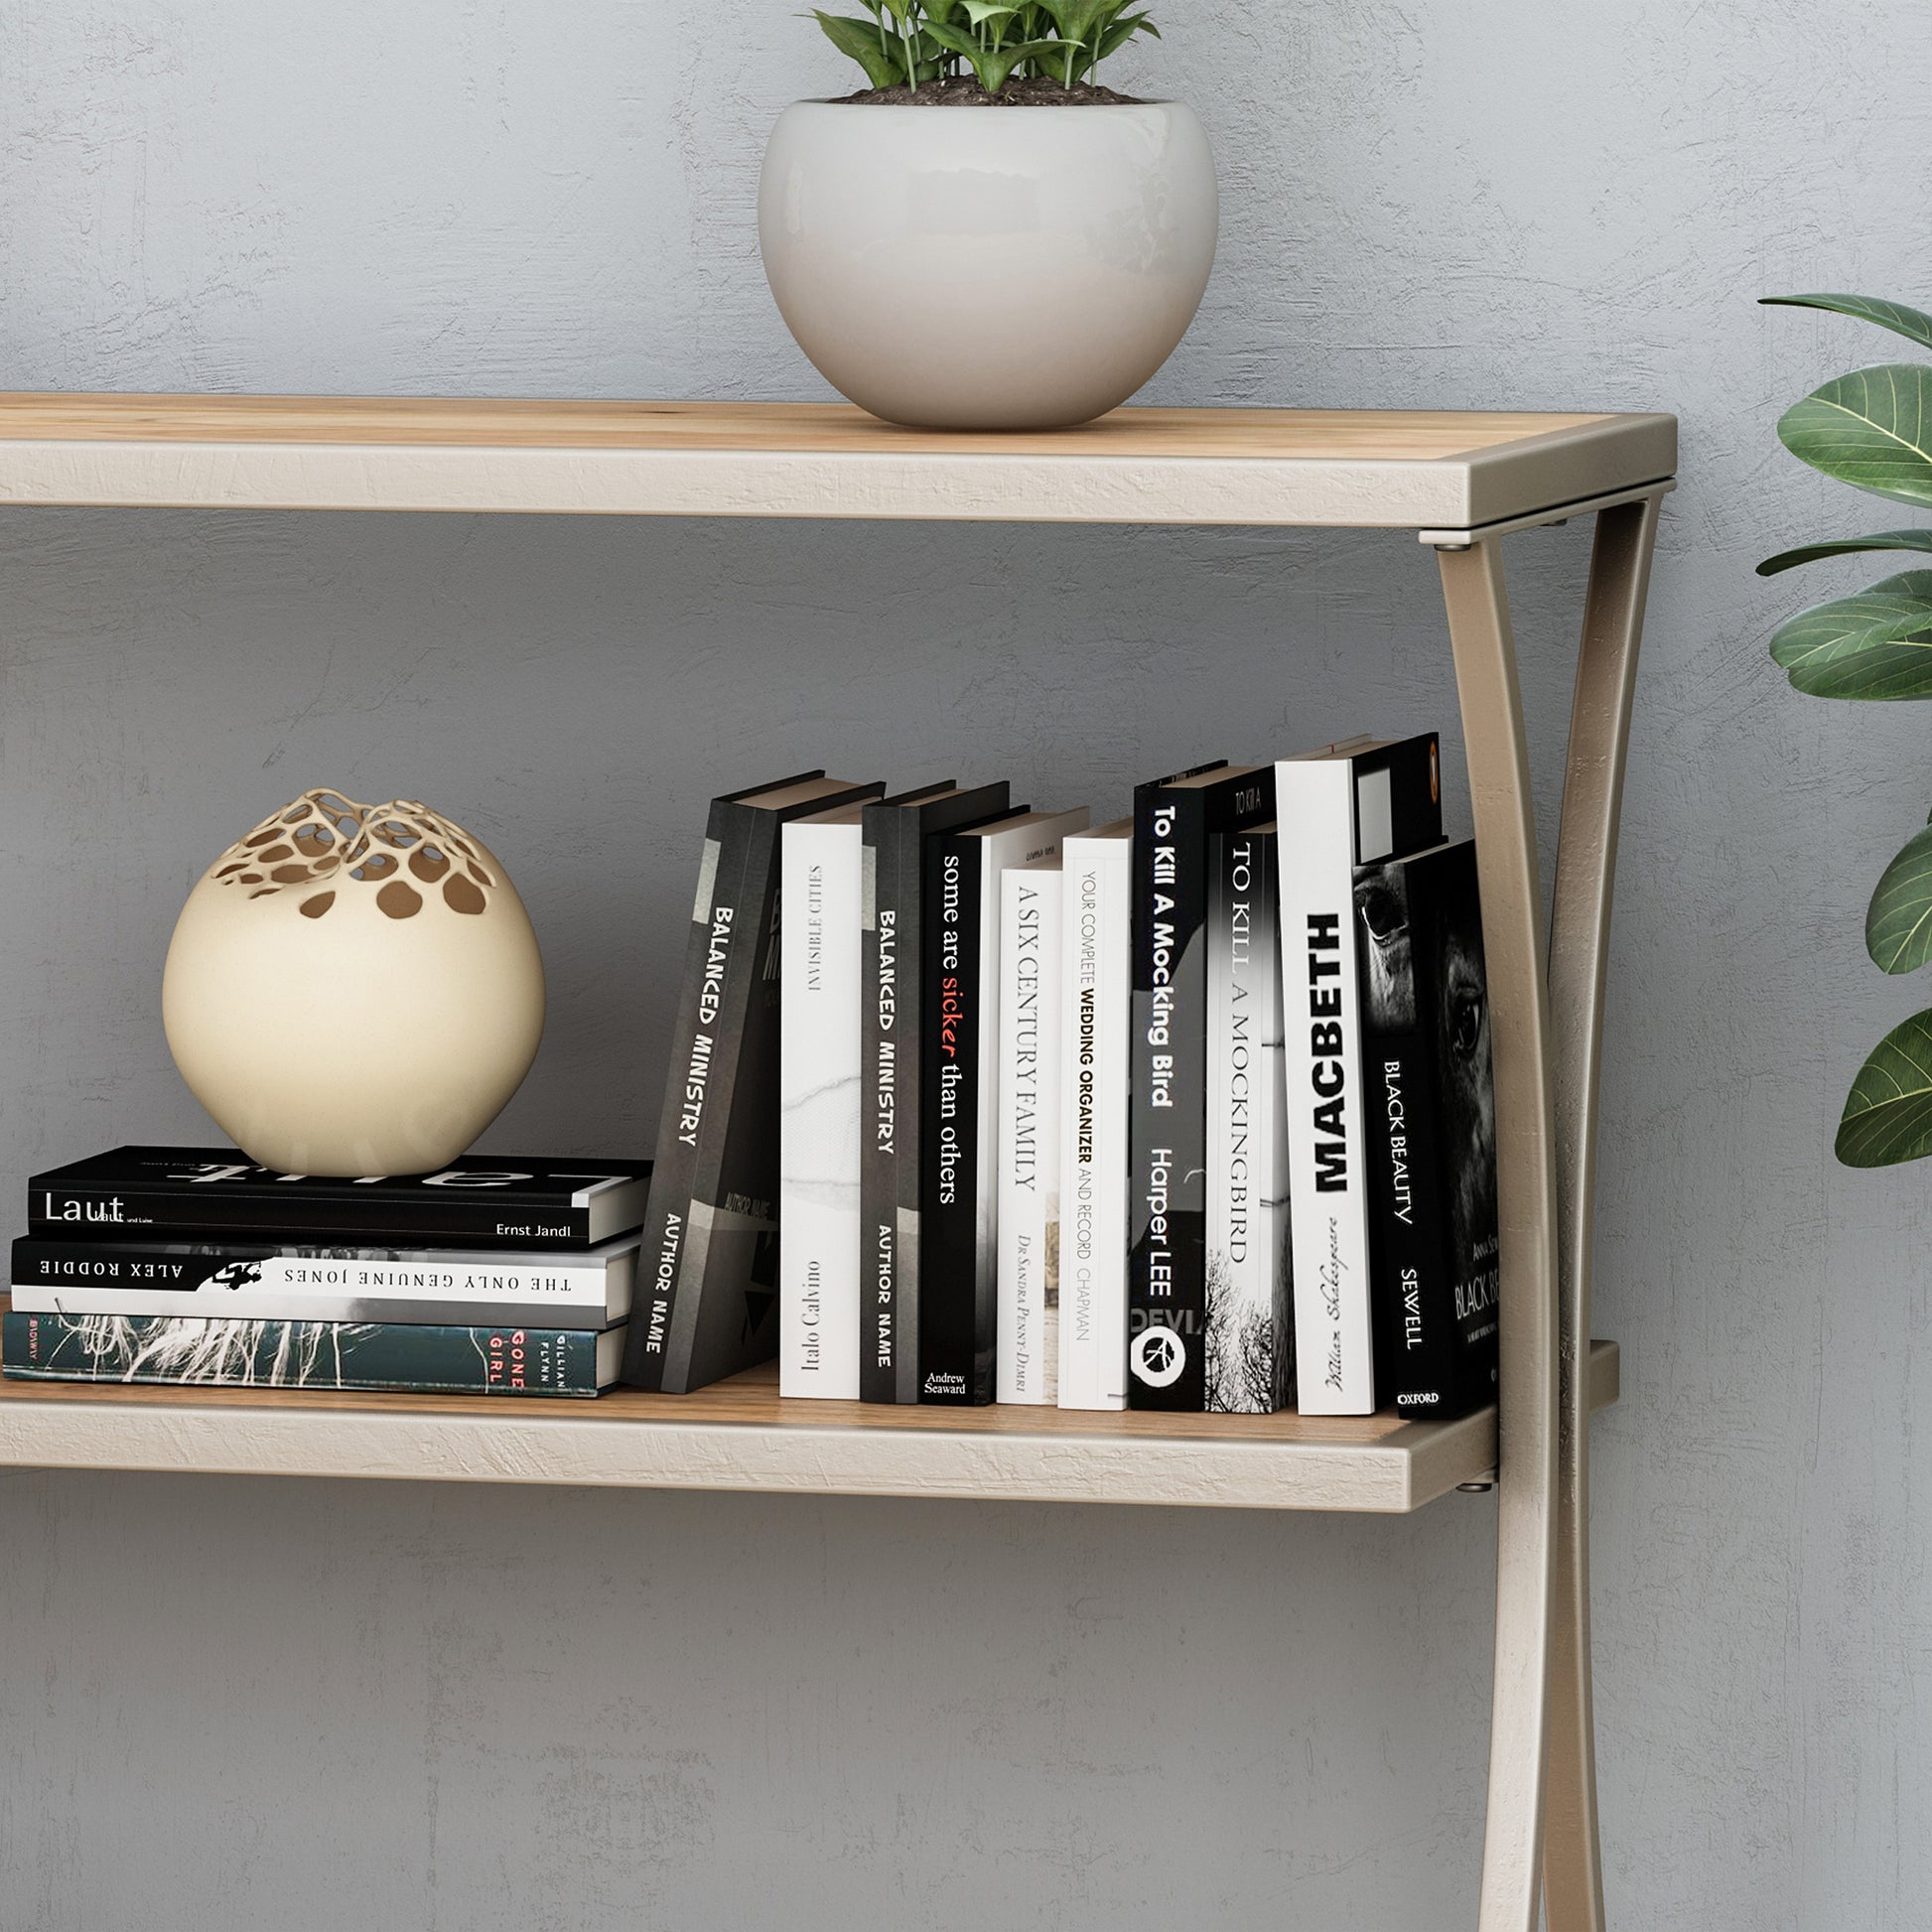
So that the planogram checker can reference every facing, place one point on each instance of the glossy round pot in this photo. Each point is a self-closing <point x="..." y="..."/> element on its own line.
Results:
<point x="988" y="267"/>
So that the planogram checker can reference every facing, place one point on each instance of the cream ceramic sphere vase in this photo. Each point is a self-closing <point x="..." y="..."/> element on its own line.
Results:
<point x="988" y="267"/>
<point x="353" y="989"/>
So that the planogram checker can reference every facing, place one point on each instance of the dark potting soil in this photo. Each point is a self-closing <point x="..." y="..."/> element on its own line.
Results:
<point x="964" y="90"/>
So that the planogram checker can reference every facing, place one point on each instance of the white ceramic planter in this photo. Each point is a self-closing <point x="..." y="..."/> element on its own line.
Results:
<point x="353" y="989"/>
<point x="988" y="267"/>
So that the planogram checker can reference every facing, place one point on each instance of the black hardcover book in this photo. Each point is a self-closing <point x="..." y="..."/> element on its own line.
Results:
<point x="949" y="1323"/>
<point x="1431" y="1131"/>
<point x="1167" y="1263"/>
<point x="896" y="835"/>
<point x="708" y="1288"/>
<point x="207" y="1353"/>
<point x="483" y="1200"/>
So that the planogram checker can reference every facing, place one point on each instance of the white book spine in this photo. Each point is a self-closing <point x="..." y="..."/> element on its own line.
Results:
<point x="427" y="1286"/>
<point x="818" y="1111"/>
<point x="1094" y="966"/>
<point x="1329" y="1175"/>
<point x="1030" y="1137"/>
<point x="1248" y="1314"/>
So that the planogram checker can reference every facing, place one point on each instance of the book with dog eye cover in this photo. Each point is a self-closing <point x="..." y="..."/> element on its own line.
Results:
<point x="1432" y="1132"/>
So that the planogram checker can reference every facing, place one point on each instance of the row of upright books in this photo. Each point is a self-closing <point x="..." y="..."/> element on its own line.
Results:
<point x="188" y="1265"/>
<point x="1190" y="1111"/>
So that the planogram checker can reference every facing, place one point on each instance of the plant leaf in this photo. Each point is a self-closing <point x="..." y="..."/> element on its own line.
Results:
<point x="1898" y="923"/>
<point x="860" y="40"/>
<point x="1913" y="324"/>
<point x="1889" y="1112"/>
<point x="1846" y="547"/>
<point x="956" y="38"/>
<point x="979" y="12"/>
<point x="1877" y="644"/>
<point x="1871" y="429"/>
<point x="1122" y="30"/>
<point x="993" y="64"/>
<point x="1080" y="20"/>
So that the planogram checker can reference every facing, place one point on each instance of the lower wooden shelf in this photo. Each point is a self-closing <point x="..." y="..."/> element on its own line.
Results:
<point x="738" y="1435"/>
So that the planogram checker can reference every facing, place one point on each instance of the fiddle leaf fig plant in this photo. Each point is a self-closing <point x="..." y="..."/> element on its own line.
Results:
<point x="935" y="45"/>
<point x="1873" y="429"/>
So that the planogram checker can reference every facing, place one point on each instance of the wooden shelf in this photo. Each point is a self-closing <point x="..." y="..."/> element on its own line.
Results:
<point x="1425" y="469"/>
<point x="1460" y="482"/>
<point x="738" y="1435"/>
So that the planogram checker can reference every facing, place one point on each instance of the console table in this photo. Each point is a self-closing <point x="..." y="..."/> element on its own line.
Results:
<point x="1460" y="482"/>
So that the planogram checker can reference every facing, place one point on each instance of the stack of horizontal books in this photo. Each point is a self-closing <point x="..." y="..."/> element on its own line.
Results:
<point x="494" y="1277"/>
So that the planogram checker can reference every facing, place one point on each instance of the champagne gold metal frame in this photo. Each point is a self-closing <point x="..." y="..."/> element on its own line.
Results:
<point x="1461" y="481"/>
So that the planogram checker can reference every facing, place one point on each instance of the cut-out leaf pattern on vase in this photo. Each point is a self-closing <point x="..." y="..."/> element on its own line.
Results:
<point x="353" y="989"/>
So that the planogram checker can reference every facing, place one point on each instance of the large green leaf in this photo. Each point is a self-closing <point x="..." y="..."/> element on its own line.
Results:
<point x="1889" y="1112"/>
<point x="861" y="40"/>
<point x="1081" y="20"/>
<point x="1082" y="24"/>
<point x="1810" y="553"/>
<point x="1898" y="922"/>
<point x="1871" y="429"/>
<point x="992" y="65"/>
<point x="1122" y="30"/>
<point x="1913" y="324"/>
<point x="1876" y="646"/>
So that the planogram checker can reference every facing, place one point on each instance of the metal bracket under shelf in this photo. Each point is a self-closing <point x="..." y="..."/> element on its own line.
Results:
<point x="1556" y="513"/>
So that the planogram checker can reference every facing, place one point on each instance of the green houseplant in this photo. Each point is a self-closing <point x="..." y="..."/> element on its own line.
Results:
<point x="985" y="237"/>
<point x="1873" y="429"/>
<point x="974" y="51"/>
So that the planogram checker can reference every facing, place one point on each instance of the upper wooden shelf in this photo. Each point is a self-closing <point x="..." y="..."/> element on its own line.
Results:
<point x="738" y="1435"/>
<point x="1424" y="470"/>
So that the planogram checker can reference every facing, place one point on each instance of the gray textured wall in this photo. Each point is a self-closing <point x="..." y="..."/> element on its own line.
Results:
<point x="235" y="1704"/>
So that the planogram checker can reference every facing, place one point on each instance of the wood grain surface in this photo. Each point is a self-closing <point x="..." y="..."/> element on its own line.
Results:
<point x="1309" y="435"/>
<point x="740" y="1435"/>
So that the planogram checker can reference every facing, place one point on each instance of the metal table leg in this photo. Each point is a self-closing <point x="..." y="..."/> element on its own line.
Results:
<point x="1592" y="794"/>
<point x="1548" y="1035"/>
<point x="1519" y="1008"/>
